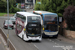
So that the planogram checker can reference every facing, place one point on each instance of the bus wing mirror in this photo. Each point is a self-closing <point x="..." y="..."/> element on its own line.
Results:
<point x="60" y="19"/>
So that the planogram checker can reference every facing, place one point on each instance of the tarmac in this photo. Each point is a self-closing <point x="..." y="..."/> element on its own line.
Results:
<point x="62" y="38"/>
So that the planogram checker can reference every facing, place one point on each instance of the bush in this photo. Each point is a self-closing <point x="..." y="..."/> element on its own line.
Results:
<point x="59" y="14"/>
<point x="17" y="9"/>
<point x="3" y="6"/>
<point x="13" y="9"/>
<point x="69" y="16"/>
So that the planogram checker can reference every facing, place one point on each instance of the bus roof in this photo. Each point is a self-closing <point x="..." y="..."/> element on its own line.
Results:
<point x="27" y="14"/>
<point x="43" y="12"/>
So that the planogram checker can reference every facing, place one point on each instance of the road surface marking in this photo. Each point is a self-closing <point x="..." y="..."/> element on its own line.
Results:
<point x="49" y="39"/>
<point x="36" y="46"/>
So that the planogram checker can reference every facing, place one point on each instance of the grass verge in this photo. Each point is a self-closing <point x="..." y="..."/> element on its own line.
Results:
<point x="5" y="14"/>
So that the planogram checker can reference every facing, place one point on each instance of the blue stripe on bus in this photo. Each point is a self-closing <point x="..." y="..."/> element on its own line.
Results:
<point x="49" y="31"/>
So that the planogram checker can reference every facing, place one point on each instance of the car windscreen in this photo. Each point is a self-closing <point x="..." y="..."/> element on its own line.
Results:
<point x="33" y="19"/>
<point x="8" y="22"/>
<point x="14" y="15"/>
<point x="12" y="18"/>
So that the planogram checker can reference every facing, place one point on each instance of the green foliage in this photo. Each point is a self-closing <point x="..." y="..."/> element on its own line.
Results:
<point x="13" y="9"/>
<point x="56" y="6"/>
<point x="2" y="14"/>
<point x="37" y="6"/>
<point x="2" y="6"/>
<point x="12" y="6"/>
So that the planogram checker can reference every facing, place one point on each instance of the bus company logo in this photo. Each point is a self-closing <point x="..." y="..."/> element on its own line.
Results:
<point x="19" y="22"/>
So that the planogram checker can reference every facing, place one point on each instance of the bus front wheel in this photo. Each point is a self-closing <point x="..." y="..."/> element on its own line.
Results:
<point x="56" y="36"/>
<point x="22" y="37"/>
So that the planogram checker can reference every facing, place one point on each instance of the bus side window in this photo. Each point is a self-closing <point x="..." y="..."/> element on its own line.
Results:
<point x="18" y="15"/>
<point x="17" y="26"/>
<point x="23" y="18"/>
<point x="20" y="28"/>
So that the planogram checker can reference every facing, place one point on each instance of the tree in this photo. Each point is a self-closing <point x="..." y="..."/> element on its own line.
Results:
<point x="69" y="16"/>
<point x="3" y="6"/>
<point x="60" y="9"/>
<point x="12" y="6"/>
<point x="72" y="2"/>
<point x="37" y="6"/>
<point x="56" y="6"/>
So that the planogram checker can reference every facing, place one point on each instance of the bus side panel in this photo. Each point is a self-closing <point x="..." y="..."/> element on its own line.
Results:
<point x="19" y="26"/>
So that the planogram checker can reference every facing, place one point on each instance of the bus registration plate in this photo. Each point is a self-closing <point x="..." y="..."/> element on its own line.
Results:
<point x="33" y="24"/>
<point x="33" y="37"/>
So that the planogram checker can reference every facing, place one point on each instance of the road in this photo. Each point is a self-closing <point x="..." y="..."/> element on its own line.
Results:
<point x="46" y="44"/>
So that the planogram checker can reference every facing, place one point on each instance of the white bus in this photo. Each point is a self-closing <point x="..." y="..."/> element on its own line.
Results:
<point x="28" y="26"/>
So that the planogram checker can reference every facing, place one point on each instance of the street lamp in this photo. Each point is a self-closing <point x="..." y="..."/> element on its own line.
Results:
<point x="8" y="22"/>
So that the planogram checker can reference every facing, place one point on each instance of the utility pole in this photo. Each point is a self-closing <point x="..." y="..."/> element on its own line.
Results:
<point x="8" y="22"/>
<point x="25" y="5"/>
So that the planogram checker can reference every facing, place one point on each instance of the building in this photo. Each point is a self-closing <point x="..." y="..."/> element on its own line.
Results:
<point x="29" y="3"/>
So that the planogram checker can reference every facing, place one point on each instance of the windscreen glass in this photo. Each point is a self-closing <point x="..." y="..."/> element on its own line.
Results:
<point x="33" y="19"/>
<point x="50" y="23"/>
<point x="50" y="19"/>
<point x="8" y="22"/>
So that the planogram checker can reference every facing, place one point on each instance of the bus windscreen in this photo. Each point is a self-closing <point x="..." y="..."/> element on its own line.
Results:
<point x="50" y="23"/>
<point x="33" y="19"/>
<point x="50" y="18"/>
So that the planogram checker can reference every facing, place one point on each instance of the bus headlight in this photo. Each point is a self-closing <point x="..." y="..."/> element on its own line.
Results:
<point x="24" y="29"/>
<point x="43" y="28"/>
<point x="58" y="26"/>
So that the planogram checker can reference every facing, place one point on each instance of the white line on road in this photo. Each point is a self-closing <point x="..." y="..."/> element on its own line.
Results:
<point x="53" y="41"/>
<point x="36" y="46"/>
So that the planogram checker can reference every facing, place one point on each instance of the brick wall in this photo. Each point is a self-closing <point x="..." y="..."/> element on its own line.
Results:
<point x="69" y="34"/>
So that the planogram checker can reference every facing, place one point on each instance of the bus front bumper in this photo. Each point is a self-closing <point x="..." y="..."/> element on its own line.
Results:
<point x="35" y="38"/>
<point x="50" y="34"/>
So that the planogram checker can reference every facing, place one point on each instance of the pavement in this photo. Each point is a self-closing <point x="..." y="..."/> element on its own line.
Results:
<point x="62" y="38"/>
<point x="2" y="47"/>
